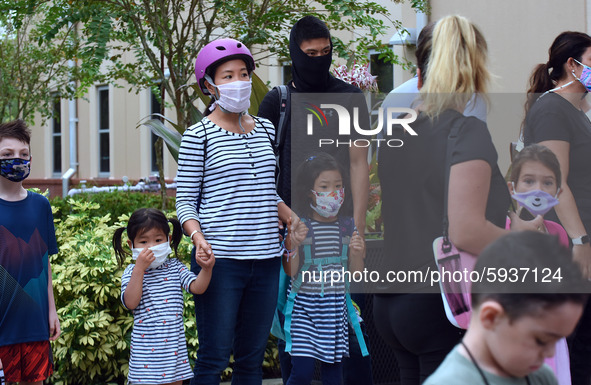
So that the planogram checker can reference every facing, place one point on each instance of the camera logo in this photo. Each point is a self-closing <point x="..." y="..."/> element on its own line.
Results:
<point x="394" y="116"/>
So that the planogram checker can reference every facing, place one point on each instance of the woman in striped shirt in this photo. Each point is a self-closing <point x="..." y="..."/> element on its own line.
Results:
<point x="227" y="203"/>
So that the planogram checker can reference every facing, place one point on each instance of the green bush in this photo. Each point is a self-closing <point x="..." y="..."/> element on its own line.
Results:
<point x="113" y="203"/>
<point x="96" y="329"/>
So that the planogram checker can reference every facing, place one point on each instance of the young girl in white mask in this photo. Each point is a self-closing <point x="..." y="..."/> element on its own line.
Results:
<point x="534" y="184"/>
<point x="318" y="307"/>
<point x="151" y="289"/>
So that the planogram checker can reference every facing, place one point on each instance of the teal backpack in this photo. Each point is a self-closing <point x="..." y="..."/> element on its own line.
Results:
<point x="285" y="302"/>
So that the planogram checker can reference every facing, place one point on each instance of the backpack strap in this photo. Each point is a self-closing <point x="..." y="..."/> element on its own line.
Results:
<point x="347" y="227"/>
<point x="204" y="160"/>
<point x="284" y="115"/>
<point x="281" y="129"/>
<point x="354" y="321"/>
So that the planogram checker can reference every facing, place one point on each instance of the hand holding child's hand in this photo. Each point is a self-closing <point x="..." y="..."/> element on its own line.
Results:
<point x="145" y="258"/>
<point x="297" y="232"/>
<point x="203" y="253"/>
<point x="205" y="260"/>
<point x="357" y="246"/>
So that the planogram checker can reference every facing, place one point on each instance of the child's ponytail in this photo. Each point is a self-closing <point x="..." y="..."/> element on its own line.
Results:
<point x="177" y="234"/>
<point x="120" y="254"/>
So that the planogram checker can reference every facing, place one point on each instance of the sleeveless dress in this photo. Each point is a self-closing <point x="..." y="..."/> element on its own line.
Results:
<point x="319" y="326"/>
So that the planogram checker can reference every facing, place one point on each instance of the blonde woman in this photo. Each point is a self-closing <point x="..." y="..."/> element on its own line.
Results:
<point x="410" y="315"/>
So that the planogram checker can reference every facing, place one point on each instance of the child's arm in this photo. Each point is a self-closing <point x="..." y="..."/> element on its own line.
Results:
<point x="295" y="236"/>
<point x="291" y="264"/>
<point x="133" y="292"/>
<point x="200" y="284"/>
<point x="356" y="252"/>
<point x="54" y="322"/>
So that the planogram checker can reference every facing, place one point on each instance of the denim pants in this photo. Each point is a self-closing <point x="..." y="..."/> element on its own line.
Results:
<point x="302" y="371"/>
<point x="234" y="315"/>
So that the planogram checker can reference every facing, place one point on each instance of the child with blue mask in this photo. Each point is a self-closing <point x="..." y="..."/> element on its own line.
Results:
<point x="535" y="186"/>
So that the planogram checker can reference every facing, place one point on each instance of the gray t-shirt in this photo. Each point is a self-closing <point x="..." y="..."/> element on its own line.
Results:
<point x="459" y="370"/>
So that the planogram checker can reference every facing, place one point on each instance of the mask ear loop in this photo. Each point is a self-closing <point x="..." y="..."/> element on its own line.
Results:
<point x="216" y="93"/>
<point x="512" y="201"/>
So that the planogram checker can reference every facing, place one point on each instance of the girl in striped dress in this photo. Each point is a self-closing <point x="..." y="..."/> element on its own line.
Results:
<point x="317" y="326"/>
<point x="151" y="289"/>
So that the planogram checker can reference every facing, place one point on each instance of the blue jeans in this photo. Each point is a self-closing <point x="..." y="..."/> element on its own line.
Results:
<point x="302" y="371"/>
<point x="234" y="315"/>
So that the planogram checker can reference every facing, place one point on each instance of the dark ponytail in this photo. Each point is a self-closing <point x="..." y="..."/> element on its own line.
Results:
<point x="177" y="235"/>
<point x="120" y="254"/>
<point x="544" y="77"/>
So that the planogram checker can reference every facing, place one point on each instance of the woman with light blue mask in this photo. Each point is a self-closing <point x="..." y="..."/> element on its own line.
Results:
<point x="556" y="119"/>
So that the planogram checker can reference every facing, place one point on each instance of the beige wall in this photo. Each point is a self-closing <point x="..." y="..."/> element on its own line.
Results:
<point x="518" y="33"/>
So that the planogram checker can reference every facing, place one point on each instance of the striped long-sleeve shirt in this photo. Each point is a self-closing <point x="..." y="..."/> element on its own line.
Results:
<point x="233" y="194"/>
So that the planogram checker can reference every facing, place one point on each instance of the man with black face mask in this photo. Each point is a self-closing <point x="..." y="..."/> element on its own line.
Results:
<point x="310" y="48"/>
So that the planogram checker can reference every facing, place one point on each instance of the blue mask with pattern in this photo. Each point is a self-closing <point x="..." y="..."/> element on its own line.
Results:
<point x="15" y="169"/>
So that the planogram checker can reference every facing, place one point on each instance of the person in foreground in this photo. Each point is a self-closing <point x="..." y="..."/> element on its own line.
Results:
<point x="515" y="326"/>
<point x="28" y="315"/>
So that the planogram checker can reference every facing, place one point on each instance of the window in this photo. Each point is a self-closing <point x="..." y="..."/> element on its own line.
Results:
<point x="286" y="74"/>
<point x="103" y="131"/>
<point x="385" y="78"/>
<point x="384" y="71"/>
<point x="155" y="108"/>
<point x="56" y="136"/>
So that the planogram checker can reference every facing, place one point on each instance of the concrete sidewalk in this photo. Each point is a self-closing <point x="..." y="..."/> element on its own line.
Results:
<point x="272" y="381"/>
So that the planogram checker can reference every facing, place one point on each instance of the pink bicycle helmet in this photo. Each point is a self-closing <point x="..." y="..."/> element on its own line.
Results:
<point x="217" y="52"/>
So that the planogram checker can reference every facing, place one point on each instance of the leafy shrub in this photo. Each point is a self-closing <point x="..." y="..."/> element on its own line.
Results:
<point x="113" y="203"/>
<point x="96" y="329"/>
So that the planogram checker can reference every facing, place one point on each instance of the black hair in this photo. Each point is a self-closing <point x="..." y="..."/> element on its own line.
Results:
<point x="16" y="129"/>
<point x="423" y="50"/>
<point x="557" y="279"/>
<point x="306" y="175"/>
<point x="143" y="220"/>
<point x="310" y="27"/>
<point x="566" y="45"/>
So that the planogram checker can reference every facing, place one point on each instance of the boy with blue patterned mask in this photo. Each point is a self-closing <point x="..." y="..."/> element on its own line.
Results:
<point x="27" y="239"/>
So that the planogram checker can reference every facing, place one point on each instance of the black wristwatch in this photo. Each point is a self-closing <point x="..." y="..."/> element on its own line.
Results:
<point x="581" y="240"/>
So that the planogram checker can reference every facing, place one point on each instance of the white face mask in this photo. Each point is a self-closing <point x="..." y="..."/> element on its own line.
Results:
<point x="233" y="97"/>
<point x="161" y="252"/>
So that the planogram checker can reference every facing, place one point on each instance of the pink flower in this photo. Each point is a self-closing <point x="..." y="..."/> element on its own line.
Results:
<point x="358" y="75"/>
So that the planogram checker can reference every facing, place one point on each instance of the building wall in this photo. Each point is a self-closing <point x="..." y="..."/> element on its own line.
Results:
<point x="519" y="34"/>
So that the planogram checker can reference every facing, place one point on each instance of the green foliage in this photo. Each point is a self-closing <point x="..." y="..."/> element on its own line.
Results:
<point x="168" y="34"/>
<point x="114" y="204"/>
<point x="94" y="345"/>
<point x="28" y="69"/>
